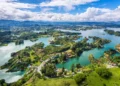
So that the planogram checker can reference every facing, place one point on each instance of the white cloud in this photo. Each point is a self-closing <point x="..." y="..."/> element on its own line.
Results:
<point x="69" y="4"/>
<point x="65" y="2"/>
<point x="8" y="0"/>
<point x="47" y="9"/>
<point x="11" y="10"/>
<point x="15" y="5"/>
<point x="68" y="8"/>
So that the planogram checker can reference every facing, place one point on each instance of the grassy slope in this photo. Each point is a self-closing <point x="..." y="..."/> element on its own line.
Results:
<point x="53" y="82"/>
<point x="94" y="79"/>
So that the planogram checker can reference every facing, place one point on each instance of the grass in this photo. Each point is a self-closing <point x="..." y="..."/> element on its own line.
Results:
<point x="37" y="63"/>
<point x="53" y="82"/>
<point x="31" y="56"/>
<point x="94" y="79"/>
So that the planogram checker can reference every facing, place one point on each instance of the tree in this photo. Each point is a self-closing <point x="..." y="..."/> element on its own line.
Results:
<point x="63" y="70"/>
<point x="91" y="58"/>
<point x="104" y="73"/>
<point x="2" y="83"/>
<point x="79" y="78"/>
<point x="78" y="65"/>
<point x="49" y="70"/>
<point x="78" y="51"/>
<point x="72" y="67"/>
<point x="38" y="75"/>
<point x="63" y="57"/>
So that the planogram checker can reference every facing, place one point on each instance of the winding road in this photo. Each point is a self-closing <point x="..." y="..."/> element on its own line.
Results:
<point x="42" y="65"/>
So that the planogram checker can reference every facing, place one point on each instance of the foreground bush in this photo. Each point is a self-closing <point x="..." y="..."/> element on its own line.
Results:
<point x="79" y="78"/>
<point x="104" y="73"/>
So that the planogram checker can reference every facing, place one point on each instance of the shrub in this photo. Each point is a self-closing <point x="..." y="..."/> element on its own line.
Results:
<point x="79" y="78"/>
<point x="49" y="70"/>
<point x="104" y="73"/>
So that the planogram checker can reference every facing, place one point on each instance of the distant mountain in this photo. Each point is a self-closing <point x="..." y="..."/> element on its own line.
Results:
<point x="10" y="23"/>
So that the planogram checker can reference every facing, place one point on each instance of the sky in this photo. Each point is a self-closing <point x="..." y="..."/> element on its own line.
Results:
<point x="60" y="10"/>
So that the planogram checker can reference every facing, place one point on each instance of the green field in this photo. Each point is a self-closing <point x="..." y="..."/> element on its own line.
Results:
<point x="93" y="79"/>
<point x="53" y="82"/>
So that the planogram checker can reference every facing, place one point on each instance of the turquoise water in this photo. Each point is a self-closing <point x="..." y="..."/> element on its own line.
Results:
<point x="5" y="52"/>
<point x="5" y="55"/>
<point x="83" y="59"/>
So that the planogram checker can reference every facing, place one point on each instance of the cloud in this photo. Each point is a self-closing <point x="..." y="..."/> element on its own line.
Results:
<point x="53" y="3"/>
<point x="13" y="10"/>
<point x="68" y="8"/>
<point x="46" y="9"/>
<point x="69" y="4"/>
<point x="7" y="0"/>
<point x="15" y="5"/>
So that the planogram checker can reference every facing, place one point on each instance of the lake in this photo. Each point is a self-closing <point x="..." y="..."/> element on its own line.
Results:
<point x="83" y="59"/>
<point x="5" y="54"/>
<point x="5" y="51"/>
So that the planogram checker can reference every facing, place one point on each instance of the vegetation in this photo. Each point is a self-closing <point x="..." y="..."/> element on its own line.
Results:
<point x="91" y="58"/>
<point x="5" y="37"/>
<point x="39" y="61"/>
<point x="53" y="82"/>
<point x="99" y="42"/>
<point x="19" y="36"/>
<point x="112" y="32"/>
<point x="118" y="47"/>
<point x="22" y="59"/>
<point x="116" y="59"/>
<point x="49" y="70"/>
<point x="3" y="83"/>
<point x="104" y="73"/>
<point x="79" y="78"/>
